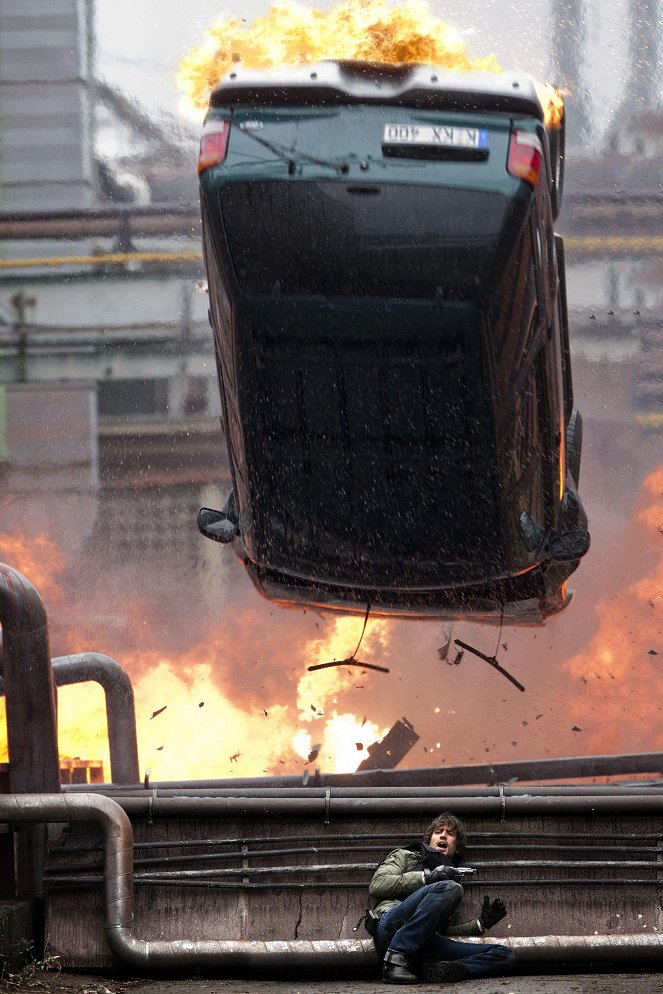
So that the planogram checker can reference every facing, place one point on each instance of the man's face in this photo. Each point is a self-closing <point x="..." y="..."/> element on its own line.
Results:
<point x="444" y="839"/>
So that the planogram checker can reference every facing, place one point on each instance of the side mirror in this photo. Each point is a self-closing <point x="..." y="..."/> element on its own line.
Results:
<point x="568" y="546"/>
<point x="216" y="525"/>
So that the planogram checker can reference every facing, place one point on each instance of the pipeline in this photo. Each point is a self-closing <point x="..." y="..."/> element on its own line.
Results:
<point x="444" y="793"/>
<point x="333" y="806"/>
<point x="253" y="954"/>
<point x="120" y="709"/>
<point x="532" y="771"/>
<point x="30" y="690"/>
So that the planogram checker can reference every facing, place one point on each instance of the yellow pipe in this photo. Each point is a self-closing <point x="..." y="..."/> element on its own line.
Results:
<point x="614" y="244"/>
<point x="653" y="420"/>
<point x="605" y="245"/>
<point x="109" y="259"/>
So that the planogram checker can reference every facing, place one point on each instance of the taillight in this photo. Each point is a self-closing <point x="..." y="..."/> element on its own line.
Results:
<point x="213" y="144"/>
<point x="525" y="156"/>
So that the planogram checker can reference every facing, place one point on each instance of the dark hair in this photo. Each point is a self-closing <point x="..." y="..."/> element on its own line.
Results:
<point x="447" y="820"/>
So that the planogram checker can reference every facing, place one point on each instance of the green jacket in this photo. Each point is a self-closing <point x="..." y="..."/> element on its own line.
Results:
<point x="396" y="878"/>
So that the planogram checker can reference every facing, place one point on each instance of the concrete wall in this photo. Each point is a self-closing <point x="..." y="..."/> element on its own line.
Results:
<point x="45" y="158"/>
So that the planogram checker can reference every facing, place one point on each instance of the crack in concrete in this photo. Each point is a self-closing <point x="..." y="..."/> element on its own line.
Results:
<point x="301" y="914"/>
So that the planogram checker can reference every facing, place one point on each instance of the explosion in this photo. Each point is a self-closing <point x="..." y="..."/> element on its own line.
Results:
<point x="622" y="669"/>
<point x="367" y="30"/>
<point x="188" y="724"/>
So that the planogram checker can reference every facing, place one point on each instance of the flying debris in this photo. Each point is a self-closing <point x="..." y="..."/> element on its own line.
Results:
<point x="235" y="756"/>
<point x="574" y="728"/>
<point x="201" y="704"/>
<point x="313" y="755"/>
<point x="443" y="651"/>
<point x="160" y="711"/>
<point x="387" y="754"/>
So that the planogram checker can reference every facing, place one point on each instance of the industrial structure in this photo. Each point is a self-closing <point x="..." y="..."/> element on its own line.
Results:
<point x="264" y="873"/>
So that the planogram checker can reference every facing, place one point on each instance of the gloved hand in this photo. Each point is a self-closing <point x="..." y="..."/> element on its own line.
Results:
<point x="442" y="873"/>
<point x="492" y="912"/>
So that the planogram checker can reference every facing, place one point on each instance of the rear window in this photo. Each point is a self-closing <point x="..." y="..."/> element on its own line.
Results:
<point x="361" y="239"/>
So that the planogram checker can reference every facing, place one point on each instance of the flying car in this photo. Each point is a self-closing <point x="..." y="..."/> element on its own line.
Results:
<point x="387" y="296"/>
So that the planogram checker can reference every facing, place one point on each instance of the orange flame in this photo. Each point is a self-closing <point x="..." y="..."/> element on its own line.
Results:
<point x="625" y="656"/>
<point x="38" y="558"/>
<point x="187" y="727"/>
<point x="375" y="31"/>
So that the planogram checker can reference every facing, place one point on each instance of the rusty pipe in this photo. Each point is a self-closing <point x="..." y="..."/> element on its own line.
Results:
<point x="330" y="805"/>
<point x="120" y="709"/>
<point x="447" y="794"/>
<point x="29" y="688"/>
<point x="453" y="776"/>
<point x="250" y="953"/>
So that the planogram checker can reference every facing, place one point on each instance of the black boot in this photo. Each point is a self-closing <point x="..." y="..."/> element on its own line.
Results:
<point x="446" y="972"/>
<point x="398" y="969"/>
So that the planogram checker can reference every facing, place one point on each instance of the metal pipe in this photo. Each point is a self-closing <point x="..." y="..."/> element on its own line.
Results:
<point x="127" y="222"/>
<point x="541" y="790"/>
<point x="149" y="806"/>
<point x="29" y="688"/>
<point x="184" y="219"/>
<point x="391" y="837"/>
<point x="459" y="776"/>
<point x="251" y="954"/>
<point x="67" y="883"/>
<point x="120" y="709"/>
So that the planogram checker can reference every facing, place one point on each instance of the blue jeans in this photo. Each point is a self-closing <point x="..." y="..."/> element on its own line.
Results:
<point x="413" y="929"/>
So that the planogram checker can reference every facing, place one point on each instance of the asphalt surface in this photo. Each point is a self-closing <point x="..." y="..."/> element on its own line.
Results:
<point x="74" y="983"/>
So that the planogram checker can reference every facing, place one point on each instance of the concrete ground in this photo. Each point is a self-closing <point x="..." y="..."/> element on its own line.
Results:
<point x="51" y="982"/>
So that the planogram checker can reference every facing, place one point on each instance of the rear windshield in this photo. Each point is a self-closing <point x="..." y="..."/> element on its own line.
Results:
<point x="304" y="237"/>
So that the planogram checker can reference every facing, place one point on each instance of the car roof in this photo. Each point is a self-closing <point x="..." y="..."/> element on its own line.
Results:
<point x="344" y="82"/>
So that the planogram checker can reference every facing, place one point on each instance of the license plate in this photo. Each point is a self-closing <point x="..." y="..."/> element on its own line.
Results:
<point x="441" y="136"/>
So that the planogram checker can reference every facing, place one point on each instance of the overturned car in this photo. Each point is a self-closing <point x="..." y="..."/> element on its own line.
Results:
<point x="388" y="302"/>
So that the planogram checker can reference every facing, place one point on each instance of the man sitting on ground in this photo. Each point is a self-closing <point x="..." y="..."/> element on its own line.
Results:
<point x="419" y="889"/>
